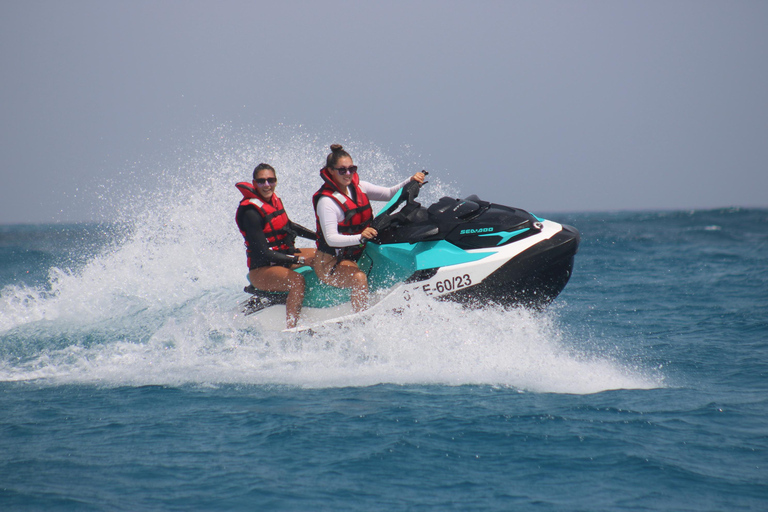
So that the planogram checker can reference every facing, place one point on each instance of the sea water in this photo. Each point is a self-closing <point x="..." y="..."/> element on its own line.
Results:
<point x="130" y="380"/>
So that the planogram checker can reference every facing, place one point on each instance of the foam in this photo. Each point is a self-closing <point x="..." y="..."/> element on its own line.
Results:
<point x="160" y="305"/>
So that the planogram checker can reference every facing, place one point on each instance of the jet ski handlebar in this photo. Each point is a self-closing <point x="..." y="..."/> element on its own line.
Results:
<point x="409" y="193"/>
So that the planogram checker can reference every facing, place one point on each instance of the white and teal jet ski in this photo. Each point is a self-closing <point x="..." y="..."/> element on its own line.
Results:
<point x="465" y="250"/>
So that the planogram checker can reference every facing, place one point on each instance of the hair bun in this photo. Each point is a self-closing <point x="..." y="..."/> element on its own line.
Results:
<point x="336" y="147"/>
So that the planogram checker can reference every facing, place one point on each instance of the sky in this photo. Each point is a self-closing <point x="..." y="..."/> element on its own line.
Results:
<point x="549" y="105"/>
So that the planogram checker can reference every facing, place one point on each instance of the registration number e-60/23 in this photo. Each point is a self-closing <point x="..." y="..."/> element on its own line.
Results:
<point x="447" y="285"/>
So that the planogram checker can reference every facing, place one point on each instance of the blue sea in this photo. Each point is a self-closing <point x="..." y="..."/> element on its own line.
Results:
<point x="129" y="380"/>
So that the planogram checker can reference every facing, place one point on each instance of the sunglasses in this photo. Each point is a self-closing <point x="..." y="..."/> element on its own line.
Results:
<point x="352" y="169"/>
<point x="263" y="181"/>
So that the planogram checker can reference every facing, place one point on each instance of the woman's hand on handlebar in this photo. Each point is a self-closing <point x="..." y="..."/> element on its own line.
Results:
<point x="419" y="176"/>
<point x="369" y="233"/>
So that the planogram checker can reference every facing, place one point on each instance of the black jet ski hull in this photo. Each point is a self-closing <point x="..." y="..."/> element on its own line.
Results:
<point x="534" y="278"/>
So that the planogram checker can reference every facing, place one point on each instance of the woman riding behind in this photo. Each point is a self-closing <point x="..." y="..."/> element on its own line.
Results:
<point x="343" y="214"/>
<point x="269" y="235"/>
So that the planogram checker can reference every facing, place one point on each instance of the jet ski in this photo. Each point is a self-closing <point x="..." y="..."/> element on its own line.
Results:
<point x="469" y="251"/>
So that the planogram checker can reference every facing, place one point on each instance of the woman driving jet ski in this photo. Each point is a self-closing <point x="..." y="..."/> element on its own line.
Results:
<point x="343" y="214"/>
<point x="269" y="235"/>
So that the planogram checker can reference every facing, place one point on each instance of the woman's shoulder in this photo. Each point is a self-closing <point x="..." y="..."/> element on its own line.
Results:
<point x="327" y="204"/>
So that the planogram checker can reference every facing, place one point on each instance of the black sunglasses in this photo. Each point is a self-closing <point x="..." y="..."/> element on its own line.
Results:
<point x="264" y="181"/>
<point x="352" y="169"/>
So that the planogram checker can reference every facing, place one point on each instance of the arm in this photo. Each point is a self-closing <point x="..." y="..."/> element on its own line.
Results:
<point x="377" y="193"/>
<point x="257" y="242"/>
<point x="302" y="231"/>
<point x="330" y="214"/>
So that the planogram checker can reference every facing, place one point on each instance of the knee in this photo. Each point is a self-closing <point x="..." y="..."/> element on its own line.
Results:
<point x="360" y="279"/>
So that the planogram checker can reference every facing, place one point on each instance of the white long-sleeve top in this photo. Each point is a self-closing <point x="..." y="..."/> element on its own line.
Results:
<point x="330" y="213"/>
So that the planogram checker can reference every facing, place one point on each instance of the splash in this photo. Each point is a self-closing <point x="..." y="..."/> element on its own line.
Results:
<point x="158" y="305"/>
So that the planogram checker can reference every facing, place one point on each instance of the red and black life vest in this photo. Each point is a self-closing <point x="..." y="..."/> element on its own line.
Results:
<point x="274" y="217"/>
<point x="357" y="214"/>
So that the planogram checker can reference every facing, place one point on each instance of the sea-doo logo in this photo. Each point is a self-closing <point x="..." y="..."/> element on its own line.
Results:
<point x="472" y="231"/>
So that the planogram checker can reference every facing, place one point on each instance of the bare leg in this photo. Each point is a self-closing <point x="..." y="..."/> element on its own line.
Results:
<point x="345" y="274"/>
<point x="281" y="279"/>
